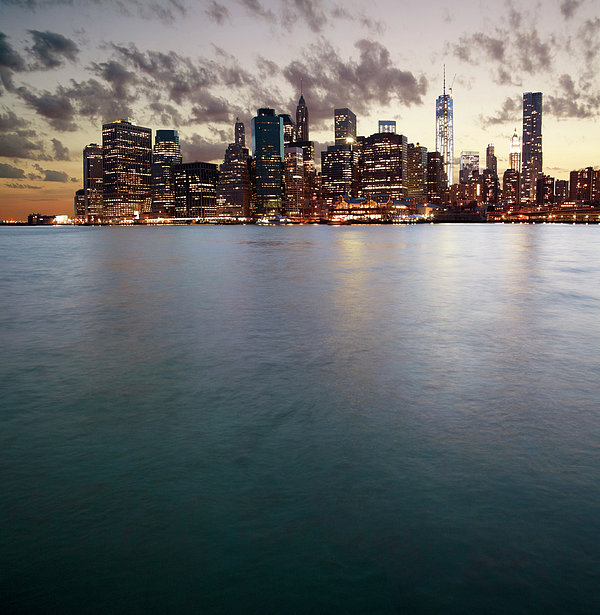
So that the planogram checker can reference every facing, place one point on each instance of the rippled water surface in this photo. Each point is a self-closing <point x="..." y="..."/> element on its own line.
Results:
<point x="300" y="420"/>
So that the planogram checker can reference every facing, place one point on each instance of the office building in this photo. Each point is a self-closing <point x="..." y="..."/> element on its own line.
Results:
<point x="338" y="172"/>
<point x="92" y="182"/>
<point x="491" y="162"/>
<point x="417" y="172"/>
<point x="344" y="125"/>
<point x="234" y="188"/>
<point x="469" y="166"/>
<point x="531" y="145"/>
<point x="514" y="156"/>
<point x="165" y="155"/>
<point x="545" y="190"/>
<point x="127" y="158"/>
<point x="195" y="190"/>
<point x="289" y="128"/>
<point x="240" y="133"/>
<point x="268" y="152"/>
<point x="293" y="180"/>
<point x="444" y="131"/>
<point x="561" y="191"/>
<point x="385" y="165"/>
<point x="79" y="205"/>
<point x="387" y="126"/>
<point x="436" y="177"/>
<point x="511" y="183"/>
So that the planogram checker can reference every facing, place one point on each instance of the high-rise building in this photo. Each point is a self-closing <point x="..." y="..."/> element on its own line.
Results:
<point x="289" y="128"/>
<point x="489" y="186"/>
<point x="511" y="182"/>
<point x="581" y="184"/>
<point x="469" y="166"/>
<point x="195" y="187"/>
<point x="491" y="162"/>
<point x="165" y="155"/>
<point x="301" y="118"/>
<point x="532" y="145"/>
<point x="444" y="131"/>
<point x="385" y="165"/>
<point x="345" y="125"/>
<point x="514" y="156"/>
<point x="436" y="177"/>
<point x="267" y="148"/>
<point x="240" y="133"/>
<point x="92" y="182"/>
<point x="293" y="180"/>
<point x="417" y="172"/>
<point x="387" y="126"/>
<point x="127" y="157"/>
<point x="545" y="190"/>
<point x="79" y="205"/>
<point x="234" y="189"/>
<point x="561" y="191"/>
<point x="338" y="172"/>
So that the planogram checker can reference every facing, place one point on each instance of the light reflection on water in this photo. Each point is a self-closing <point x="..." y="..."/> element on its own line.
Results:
<point x="307" y="419"/>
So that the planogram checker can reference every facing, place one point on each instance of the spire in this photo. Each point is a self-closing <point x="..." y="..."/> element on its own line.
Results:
<point x="444" y="80"/>
<point x="301" y="102"/>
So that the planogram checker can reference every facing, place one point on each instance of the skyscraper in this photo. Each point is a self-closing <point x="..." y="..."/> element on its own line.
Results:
<point x="234" y="189"/>
<point x="345" y="125"/>
<point x="514" y="157"/>
<point x="417" y="172"/>
<point x="267" y="148"/>
<point x="195" y="188"/>
<point x="511" y="182"/>
<point x="469" y="166"/>
<point x="294" y="180"/>
<point x="444" y="131"/>
<point x="491" y="162"/>
<point x="532" y="145"/>
<point x="289" y="128"/>
<point x="240" y="133"/>
<point x="301" y="118"/>
<point x="127" y="155"/>
<point x="338" y="172"/>
<point x="92" y="182"/>
<point x="385" y="165"/>
<point x="436" y="177"/>
<point x="166" y="153"/>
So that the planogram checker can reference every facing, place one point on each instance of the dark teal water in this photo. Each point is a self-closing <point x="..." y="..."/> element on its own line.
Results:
<point x="300" y="420"/>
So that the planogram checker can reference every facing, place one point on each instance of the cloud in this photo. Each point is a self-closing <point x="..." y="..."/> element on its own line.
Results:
<point x="49" y="175"/>
<point x="471" y="47"/>
<point x="23" y="187"/>
<point x="197" y="148"/>
<point x="569" y="102"/>
<point x="10" y="62"/>
<point x="217" y="12"/>
<point x="9" y="121"/>
<point x="310" y="11"/>
<point x="14" y="145"/>
<point x="509" y="113"/>
<point x="60" y="151"/>
<point x="8" y="171"/>
<point x="588" y="36"/>
<point x="55" y="108"/>
<point x="568" y="7"/>
<point x="50" y="49"/>
<point x="256" y="9"/>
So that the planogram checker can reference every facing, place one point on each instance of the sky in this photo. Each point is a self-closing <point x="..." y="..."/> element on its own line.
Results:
<point x="68" y="66"/>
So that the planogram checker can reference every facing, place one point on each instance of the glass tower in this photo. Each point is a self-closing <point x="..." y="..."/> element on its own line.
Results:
<point x="167" y="153"/>
<point x="532" y="145"/>
<point x="92" y="182"/>
<point x="444" y="132"/>
<point x="345" y="125"/>
<point x="268" y="152"/>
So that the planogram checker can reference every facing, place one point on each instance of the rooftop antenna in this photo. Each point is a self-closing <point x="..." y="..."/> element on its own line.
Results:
<point x="300" y="86"/>
<point x="444" y="80"/>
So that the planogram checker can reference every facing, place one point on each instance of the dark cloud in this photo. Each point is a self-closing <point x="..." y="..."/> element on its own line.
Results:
<point x="568" y="101"/>
<point x="95" y="101"/>
<point x="255" y="8"/>
<point x="120" y="79"/>
<point x="217" y="12"/>
<point x="534" y="53"/>
<point x="55" y="108"/>
<point x="23" y="187"/>
<point x="589" y="38"/>
<point x="310" y="11"/>
<point x="195" y="148"/>
<point x="9" y="122"/>
<point x="14" y="145"/>
<point x="51" y="49"/>
<point x="470" y="48"/>
<point x="510" y="112"/>
<point x="10" y="62"/>
<point x="331" y="81"/>
<point x="49" y="175"/>
<point x="568" y="7"/>
<point x="60" y="151"/>
<point x="10" y="172"/>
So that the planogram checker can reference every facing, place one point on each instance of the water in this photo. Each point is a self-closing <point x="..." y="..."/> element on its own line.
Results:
<point x="300" y="420"/>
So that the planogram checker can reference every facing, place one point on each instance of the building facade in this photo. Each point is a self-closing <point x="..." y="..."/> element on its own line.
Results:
<point x="532" y="145"/>
<point x="469" y="166"/>
<point x="268" y="152"/>
<point x="92" y="182"/>
<point x="514" y="156"/>
<point x="385" y="165"/>
<point x="165" y="155"/>
<point x="339" y="166"/>
<point x="444" y="132"/>
<point x="195" y="188"/>
<point x="234" y="188"/>
<point x="417" y="172"/>
<point x="344" y="125"/>
<point x="126" y="159"/>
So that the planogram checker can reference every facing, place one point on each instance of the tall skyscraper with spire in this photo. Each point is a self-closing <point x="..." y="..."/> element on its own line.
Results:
<point x="444" y="131"/>
<point x="301" y="118"/>
<point x="532" y="145"/>
<point x="514" y="156"/>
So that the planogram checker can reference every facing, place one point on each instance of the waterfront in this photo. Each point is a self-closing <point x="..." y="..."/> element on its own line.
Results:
<point x="303" y="419"/>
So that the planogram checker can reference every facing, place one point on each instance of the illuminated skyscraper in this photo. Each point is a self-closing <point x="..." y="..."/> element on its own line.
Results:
<point x="166" y="153"/>
<point x="444" y="131"/>
<point x="92" y="182"/>
<point x="267" y="148"/>
<point x="294" y="180"/>
<point x="469" y="166"/>
<point x="532" y="145"/>
<point x="127" y="156"/>
<point x="511" y="182"/>
<point x="514" y="157"/>
<point x="387" y="126"/>
<point x="234" y="190"/>
<point x="301" y="118"/>
<point x="289" y="128"/>
<point x="345" y="125"/>
<point x="240" y="133"/>
<point x="195" y="187"/>
<point x="417" y="172"/>
<point x="385" y="165"/>
<point x="436" y="177"/>
<point x="491" y="162"/>
<point x="338" y="172"/>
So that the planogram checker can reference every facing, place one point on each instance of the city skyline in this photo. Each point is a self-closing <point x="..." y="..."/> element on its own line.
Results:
<point x="62" y="78"/>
